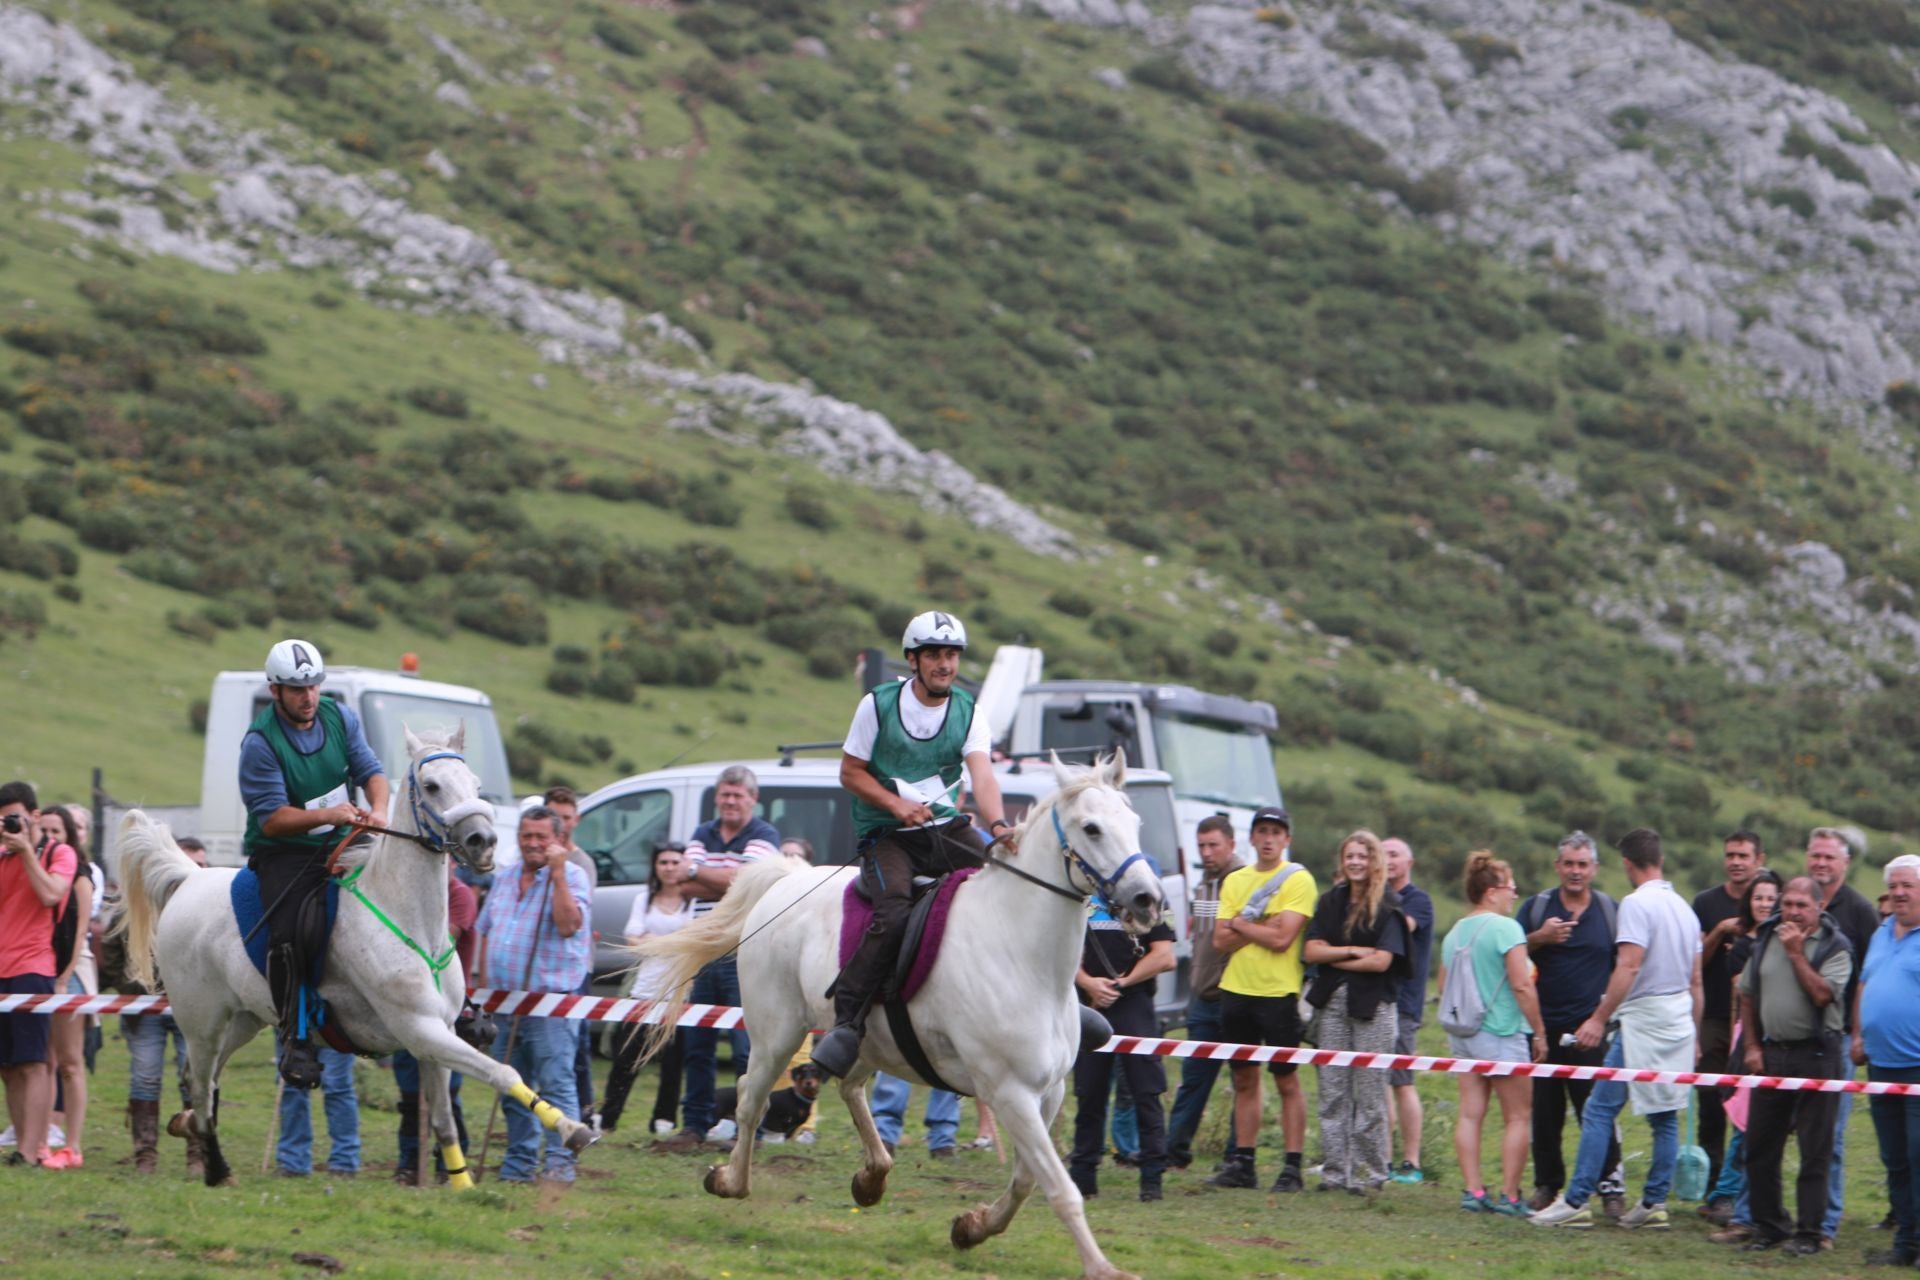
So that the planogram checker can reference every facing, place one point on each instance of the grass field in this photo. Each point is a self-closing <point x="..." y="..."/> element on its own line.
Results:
<point x="637" y="1214"/>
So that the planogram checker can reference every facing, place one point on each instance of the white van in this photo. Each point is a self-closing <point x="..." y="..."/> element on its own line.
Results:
<point x="623" y="823"/>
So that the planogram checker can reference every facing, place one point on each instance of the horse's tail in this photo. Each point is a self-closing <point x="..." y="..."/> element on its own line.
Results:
<point x="705" y="940"/>
<point x="151" y="868"/>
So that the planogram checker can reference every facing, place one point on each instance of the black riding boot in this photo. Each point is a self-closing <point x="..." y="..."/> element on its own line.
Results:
<point x="299" y="1060"/>
<point x="837" y="1051"/>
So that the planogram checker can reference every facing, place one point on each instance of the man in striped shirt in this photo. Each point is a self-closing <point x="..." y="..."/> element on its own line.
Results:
<point x="719" y="848"/>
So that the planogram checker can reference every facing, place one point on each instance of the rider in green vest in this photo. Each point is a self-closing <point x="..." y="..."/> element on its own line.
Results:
<point x="902" y="761"/>
<point x="299" y="763"/>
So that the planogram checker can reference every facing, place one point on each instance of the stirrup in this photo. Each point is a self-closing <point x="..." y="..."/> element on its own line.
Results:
<point x="837" y="1051"/>
<point x="299" y="1063"/>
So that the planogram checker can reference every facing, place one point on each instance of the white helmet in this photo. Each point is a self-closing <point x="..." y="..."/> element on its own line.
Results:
<point x="296" y="663"/>
<point x="930" y="630"/>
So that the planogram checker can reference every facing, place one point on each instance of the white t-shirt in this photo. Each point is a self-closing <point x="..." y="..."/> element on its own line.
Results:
<point x="919" y="720"/>
<point x="1658" y="919"/>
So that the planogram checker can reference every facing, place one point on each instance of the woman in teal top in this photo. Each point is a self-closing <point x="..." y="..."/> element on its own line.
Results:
<point x="1492" y="941"/>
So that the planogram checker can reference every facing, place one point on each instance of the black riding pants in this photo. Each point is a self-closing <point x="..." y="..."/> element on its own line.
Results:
<point x="290" y="876"/>
<point x="1146" y="1080"/>
<point x="888" y="865"/>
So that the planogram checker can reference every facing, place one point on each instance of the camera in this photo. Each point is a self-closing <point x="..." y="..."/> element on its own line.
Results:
<point x="13" y="824"/>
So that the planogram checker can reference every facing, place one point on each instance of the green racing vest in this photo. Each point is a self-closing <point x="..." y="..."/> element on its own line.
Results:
<point x="899" y="756"/>
<point x="308" y="777"/>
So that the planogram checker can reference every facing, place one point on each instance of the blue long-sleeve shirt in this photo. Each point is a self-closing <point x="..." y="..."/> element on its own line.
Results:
<point x="263" y="788"/>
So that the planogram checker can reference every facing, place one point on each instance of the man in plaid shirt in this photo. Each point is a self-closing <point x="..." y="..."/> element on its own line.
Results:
<point x="534" y="937"/>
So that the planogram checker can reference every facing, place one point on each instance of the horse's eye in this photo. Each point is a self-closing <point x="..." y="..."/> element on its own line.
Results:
<point x="1092" y="829"/>
<point x="434" y="787"/>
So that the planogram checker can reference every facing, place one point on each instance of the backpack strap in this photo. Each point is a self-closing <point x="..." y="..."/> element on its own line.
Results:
<point x="1534" y="914"/>
<point x="1610" y="911"/>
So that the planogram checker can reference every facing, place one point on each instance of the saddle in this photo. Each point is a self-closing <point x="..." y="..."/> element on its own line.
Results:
<point x="316" y="927"/>
<point x="919" y="947"/>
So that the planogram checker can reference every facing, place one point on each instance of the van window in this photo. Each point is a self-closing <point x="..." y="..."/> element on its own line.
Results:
<point x="822" y="815"/>
<point x="1159" y="828"/>
<point x="1073" y="726"/>
<point x="621" y="835"/>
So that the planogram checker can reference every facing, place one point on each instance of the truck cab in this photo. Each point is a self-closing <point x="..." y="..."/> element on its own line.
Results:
<point x="1213" y="746"/>
<point x="388" y="703"/>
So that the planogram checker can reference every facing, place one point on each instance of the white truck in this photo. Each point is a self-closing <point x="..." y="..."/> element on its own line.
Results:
<point x="387" y="702"/>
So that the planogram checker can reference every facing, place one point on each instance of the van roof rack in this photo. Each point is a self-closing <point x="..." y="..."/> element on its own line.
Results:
<point x="787" y="750"/>
<point x="1016" y="757"/>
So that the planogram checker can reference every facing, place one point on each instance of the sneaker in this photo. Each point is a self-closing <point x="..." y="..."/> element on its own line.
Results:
<point x="56" y="1136"/>
<point x="685" y="1140"/>
<point x="1826" y="1244"/>
<point x="1542" y="1197"/>
<point x="663" y="1127"/>
<point x="1887" y="1223"/>
<point x="1289" y="1180"/>
<point x="1614" y="1204"/>
<point x="1801" y="1247"/>
<point x="1738" y="1233"/>
<point x="1409" y="1174"/>
<point x="1719" y="1212"/>
<point x="1471" y="1203"/>
<point x="1562" y="1214"/>
<point x="1510" y="1206"/>
<point x="64" y="1158"/>
<point x="942" y="1153"/>
<point x="723" y="1131"/>
<point x="8" y="1140"/>
<point x="1653" y="1217"/>
<point x="1761" y="1244"/>
<point x="806" y="1137"/>
<point x="1893" y="1258"/>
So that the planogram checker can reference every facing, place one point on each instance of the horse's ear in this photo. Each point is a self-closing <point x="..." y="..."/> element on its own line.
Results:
<point x="1060" y="775"/>
<point x="1117" y="768"/>
<point x="458" y="742"/>
<point x="414" y="745"/>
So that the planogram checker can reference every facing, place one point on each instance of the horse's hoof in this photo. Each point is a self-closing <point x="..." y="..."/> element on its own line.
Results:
<point x="178" y="1123"/>
<point x="868" y="1188"/>
<point x="581" y="1138"/>
<point x="716" y="1183"/>
<point x="969" y="1229"/>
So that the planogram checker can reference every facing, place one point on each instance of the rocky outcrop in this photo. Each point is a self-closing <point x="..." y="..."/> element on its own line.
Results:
<point x="270" y="209"/>
<point x="1709" y="198"/>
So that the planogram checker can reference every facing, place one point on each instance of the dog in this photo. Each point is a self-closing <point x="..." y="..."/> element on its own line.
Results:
<point x="787" y="1110"/>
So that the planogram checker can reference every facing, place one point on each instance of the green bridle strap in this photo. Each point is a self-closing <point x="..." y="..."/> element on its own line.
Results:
<point x="434" y="966"/>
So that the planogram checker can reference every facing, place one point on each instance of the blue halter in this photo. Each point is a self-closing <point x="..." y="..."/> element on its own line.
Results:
<point x="435" y="832"/>
<point x="1103" y="886"/>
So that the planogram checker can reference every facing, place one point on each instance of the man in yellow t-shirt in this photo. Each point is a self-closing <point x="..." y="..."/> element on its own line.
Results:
<point x="1264" y="911"/>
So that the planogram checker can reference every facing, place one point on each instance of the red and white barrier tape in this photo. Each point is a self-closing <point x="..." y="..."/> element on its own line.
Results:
<point x="547" y="1004"/>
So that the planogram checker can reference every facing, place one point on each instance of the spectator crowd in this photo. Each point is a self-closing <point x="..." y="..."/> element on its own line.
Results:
<point x="1776" y="972"/>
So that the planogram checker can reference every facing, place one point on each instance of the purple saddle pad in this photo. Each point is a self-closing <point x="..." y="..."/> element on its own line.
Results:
<point x="856" y="913"/>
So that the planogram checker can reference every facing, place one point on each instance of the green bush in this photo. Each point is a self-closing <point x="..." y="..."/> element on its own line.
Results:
<point x="441" y="401"/>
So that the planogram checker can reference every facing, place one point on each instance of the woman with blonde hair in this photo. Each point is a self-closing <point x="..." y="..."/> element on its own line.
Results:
<point x="1492" y="942"/>
<point x="1358" y="938"/>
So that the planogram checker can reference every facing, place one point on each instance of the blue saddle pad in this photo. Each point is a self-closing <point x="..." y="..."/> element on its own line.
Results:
<point x="248" y="910"/>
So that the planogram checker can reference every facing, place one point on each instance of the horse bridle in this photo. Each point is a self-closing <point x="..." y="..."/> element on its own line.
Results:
<point x="1103" y="886"/>
<point x="433" y="829"/>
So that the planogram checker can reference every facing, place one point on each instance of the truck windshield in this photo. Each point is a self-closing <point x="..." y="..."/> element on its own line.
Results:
<point x="1216" y="763"/>
<point x="389" y="715"/>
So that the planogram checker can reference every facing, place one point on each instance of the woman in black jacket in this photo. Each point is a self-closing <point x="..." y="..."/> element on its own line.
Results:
<point x="1358" y="938"/>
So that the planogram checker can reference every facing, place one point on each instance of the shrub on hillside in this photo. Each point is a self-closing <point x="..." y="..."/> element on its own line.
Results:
<point x="441" y="401"/>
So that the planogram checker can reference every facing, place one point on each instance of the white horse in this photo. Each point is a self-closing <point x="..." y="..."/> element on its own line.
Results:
<point x="391" y="978"/>
<point x="996" y="1016"/>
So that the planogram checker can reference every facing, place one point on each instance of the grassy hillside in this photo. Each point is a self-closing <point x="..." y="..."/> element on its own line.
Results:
<point x="1186" y="328"/>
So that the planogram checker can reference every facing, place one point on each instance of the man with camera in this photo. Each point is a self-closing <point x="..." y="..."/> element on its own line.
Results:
<point x="33" y="888"/>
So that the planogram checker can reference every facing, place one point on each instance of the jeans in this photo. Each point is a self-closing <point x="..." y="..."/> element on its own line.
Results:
<point x="889" y="1106"/>
<point x="1732" y="1180"/>
<point x="146" y="1035"/>
<point x="718" y="983"/>
<point x="343" y="1119"/>
<point x="1550" y="1099"/>
<point x="543" y="1055"/>
<point x="583" y="1057"/>
<point x="1836" y="1176"/>
<point x="1197" y="1078"/>
<point x="1125" y="1123"/>
<point x="1896" y="1122"/>
<point x="406" y="1078"/>
<point x="1596" y="1131"/>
